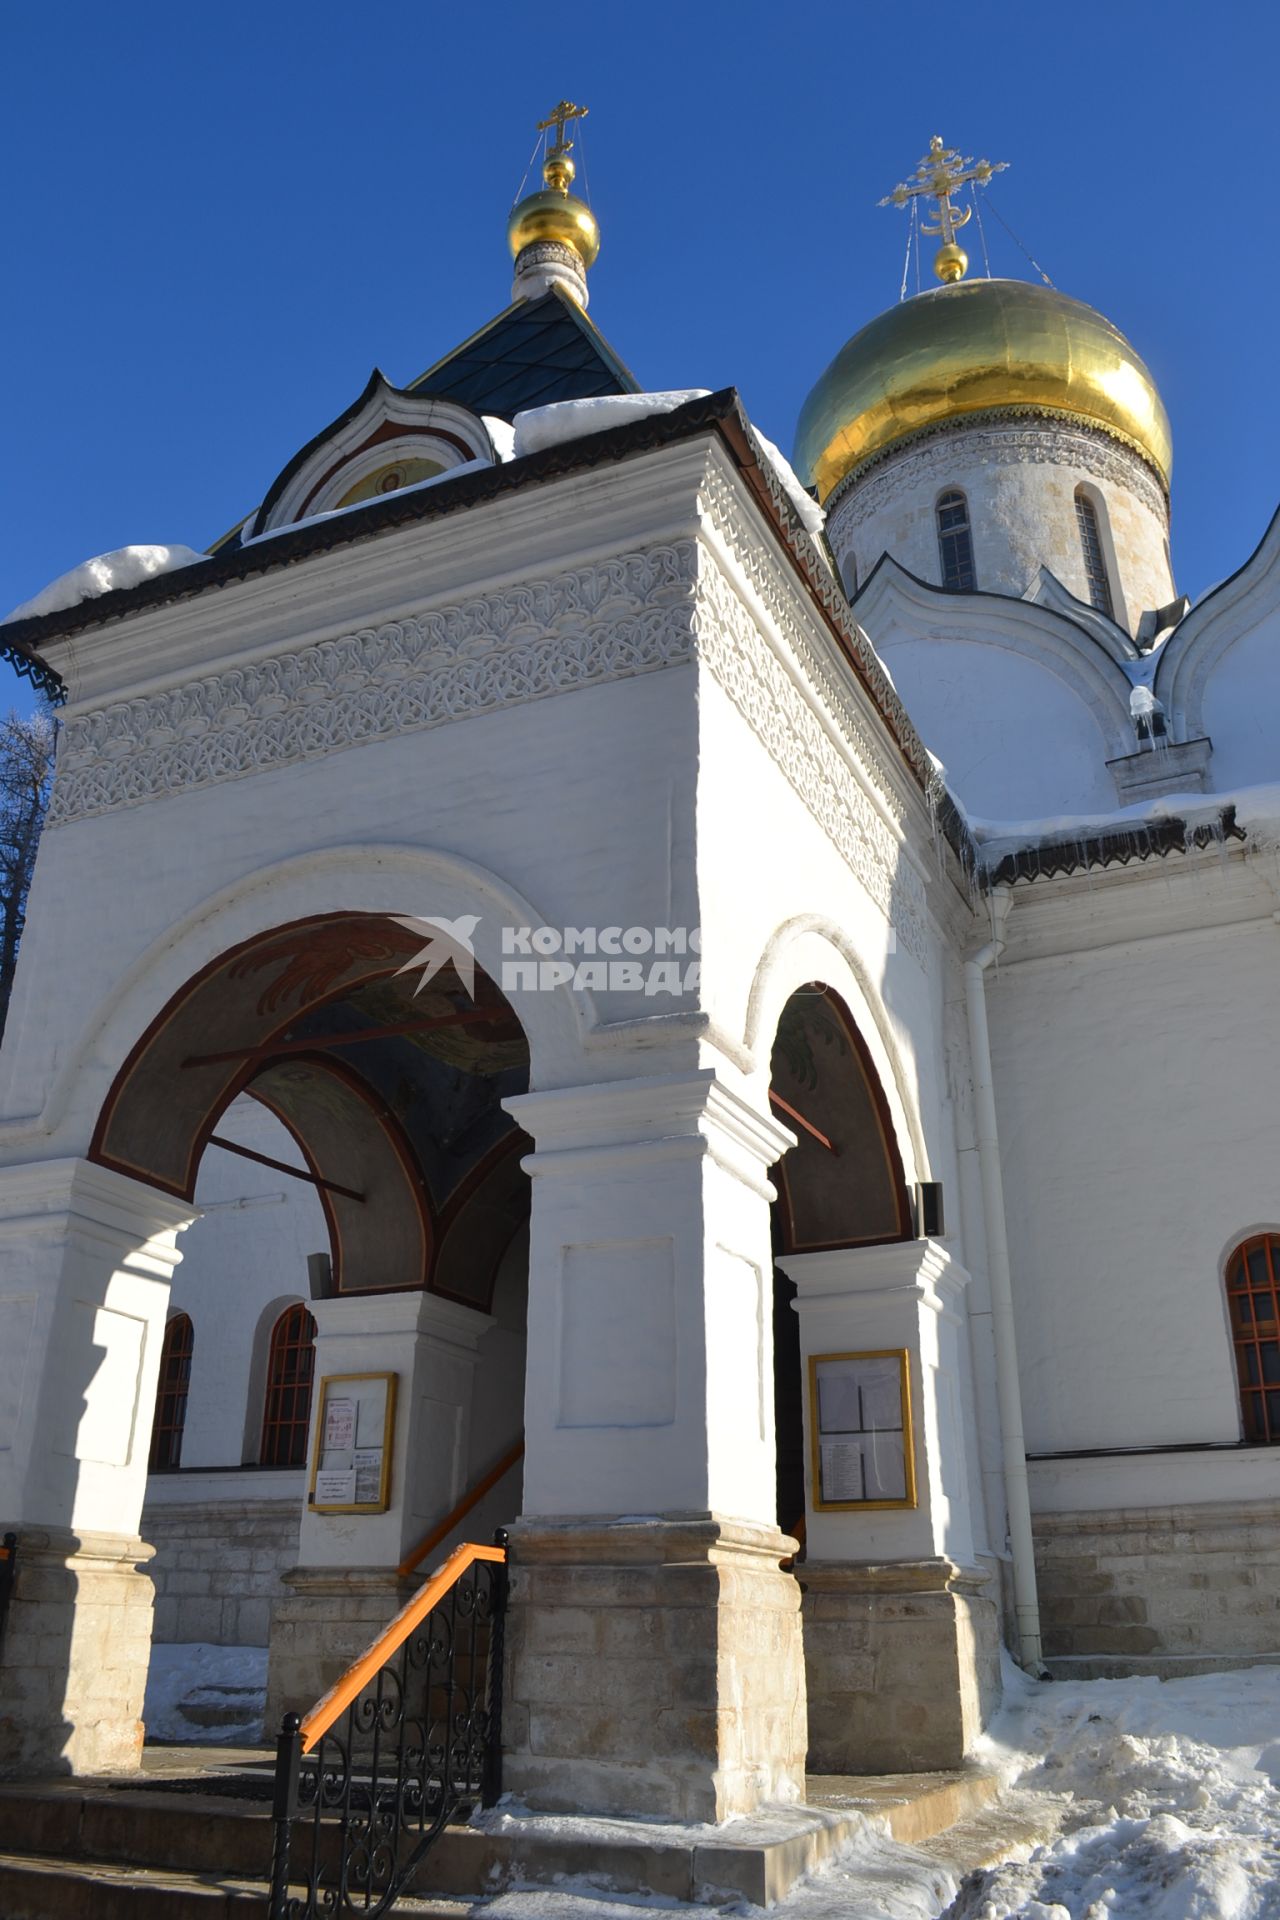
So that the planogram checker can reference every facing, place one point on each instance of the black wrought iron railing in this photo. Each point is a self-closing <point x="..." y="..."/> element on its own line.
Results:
<point x="409" y="1736"/>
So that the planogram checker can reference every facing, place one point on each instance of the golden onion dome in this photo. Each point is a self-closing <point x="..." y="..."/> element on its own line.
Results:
<point x="977" y="346"/>
<point x="554" y="214"/>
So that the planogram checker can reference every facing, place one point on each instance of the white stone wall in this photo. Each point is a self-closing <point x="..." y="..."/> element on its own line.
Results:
<point x="1020" y="478"/>
<point x="243" y="1262"/>
<point x="1133" y="1079"/>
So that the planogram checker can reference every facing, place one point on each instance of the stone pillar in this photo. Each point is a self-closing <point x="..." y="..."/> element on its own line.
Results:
<point x="901" y="1629"/>
<point x="346" y="1588"/>
<point x="654" y="1653"/>
<point x="86" y="1259"/>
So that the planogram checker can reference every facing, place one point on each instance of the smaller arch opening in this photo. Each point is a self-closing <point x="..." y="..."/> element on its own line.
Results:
<point x="955" y="540"/>
<point x="1253" y="1302"/>
<point x="1095" y="566"/>
<point x="286" y="1414"/>
<point x="171" y="1394"/>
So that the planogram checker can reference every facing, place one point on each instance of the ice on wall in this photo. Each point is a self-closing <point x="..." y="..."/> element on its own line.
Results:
<point x="125" y="567"/>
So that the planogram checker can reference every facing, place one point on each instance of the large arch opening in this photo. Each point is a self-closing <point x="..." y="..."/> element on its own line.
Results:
<point x="312" y="1075"/>
<point x="841" y="1185"/>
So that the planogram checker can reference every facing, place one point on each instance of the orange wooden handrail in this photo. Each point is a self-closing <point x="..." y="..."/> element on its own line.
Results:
<point x="322" y="1716"/>
<point x="458" y="1514"/>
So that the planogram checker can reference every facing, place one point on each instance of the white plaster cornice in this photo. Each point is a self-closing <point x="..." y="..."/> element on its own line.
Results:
<point x="581" y="1130"/>
<point x="51" y="1194"/>
<point x="922" y="1268"/>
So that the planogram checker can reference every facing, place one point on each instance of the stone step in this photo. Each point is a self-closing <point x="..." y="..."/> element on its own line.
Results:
<point x="1011" y="1829"/>
<point x="42" y="1887"/>
<point x="118" y="1829"/>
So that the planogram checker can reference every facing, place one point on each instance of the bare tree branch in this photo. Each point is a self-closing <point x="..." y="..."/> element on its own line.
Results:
<point x="26" y="774"/>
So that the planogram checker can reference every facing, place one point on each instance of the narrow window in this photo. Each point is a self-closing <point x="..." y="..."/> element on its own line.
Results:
<point x="1095" y="571"/>
<point x="290" y="1365"/>
<point x="1253" y="1297"/>
<point x="171" y="1394"/>
<point x="955" y="542"/>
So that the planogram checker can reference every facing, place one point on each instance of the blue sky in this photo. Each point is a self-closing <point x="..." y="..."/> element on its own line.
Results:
<point x="217" y="220"/>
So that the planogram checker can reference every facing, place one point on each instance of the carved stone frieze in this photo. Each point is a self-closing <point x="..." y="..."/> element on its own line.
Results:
<point x="994" y="443"/>
<point x="789" y="726"/>
<point x="627" y="615"/>
<point x="776" y="592"/>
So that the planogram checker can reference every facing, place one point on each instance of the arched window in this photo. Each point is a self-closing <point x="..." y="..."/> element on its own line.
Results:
<point x="171" y="1394"/>
<point x="291" y="1361"/>
<point x="955" y="542"/>
<point x="1095" y="568"/>
<point x="1253" y="1297"/>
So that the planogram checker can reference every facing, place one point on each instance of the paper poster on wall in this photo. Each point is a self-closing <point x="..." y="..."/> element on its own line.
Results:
<point x="339" y="1424"/>
<point x="860" y="1427"/>
<point x="354" y="1429"/>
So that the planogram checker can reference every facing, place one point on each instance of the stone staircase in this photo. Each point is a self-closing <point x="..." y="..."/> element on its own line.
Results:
<point x="190" y="1839"/>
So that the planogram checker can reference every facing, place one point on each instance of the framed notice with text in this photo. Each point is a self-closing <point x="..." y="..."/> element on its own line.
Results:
<point x="351" y="1452"/>
<point x="863" y="1452"/>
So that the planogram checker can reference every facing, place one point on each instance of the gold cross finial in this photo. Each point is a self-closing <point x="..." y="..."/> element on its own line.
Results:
<point x="558" y="169"/>
<point x="937" y="177"/>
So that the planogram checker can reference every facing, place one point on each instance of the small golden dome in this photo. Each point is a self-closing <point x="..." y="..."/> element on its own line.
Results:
<point x="555" y="214"/>
<point x="977" y="346"/>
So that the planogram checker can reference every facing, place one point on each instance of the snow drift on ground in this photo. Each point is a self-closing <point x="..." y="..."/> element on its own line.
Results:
<point x="223" y="1685"/>
<point x="125" y="567"/>
<point x="1167" y="1791"/>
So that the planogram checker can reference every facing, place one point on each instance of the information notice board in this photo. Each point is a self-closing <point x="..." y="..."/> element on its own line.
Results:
<point x="863" y="1454"/>
<point x="351" y="1456"/>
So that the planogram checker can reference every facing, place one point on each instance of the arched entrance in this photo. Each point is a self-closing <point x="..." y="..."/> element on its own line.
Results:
<point x="390" y="1087"/>
<point x="841" y="1186"/>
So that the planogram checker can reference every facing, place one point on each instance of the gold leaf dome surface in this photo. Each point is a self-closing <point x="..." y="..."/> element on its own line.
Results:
<point x="553" y="215"/>
<point x="975" y="347"/>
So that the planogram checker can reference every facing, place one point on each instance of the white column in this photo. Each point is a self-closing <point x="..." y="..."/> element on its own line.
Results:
<point x="901" y="1628"/>
<point x="906" y="1295"/>
<point x="654" y="1651"/>
<point x="431" y="1346"/>
<point x="346" y="1586"/>
<point x="86" y="1259"/>
<point x="650" y="1371"/>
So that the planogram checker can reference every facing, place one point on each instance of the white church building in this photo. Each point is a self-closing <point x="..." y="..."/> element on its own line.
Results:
<point x="559" y="930"/>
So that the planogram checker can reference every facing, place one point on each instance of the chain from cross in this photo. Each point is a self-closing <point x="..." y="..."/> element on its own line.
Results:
<point x="557" y="118"/>
<point x="942" y="170"/>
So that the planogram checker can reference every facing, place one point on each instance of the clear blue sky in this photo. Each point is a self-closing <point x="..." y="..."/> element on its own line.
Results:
<point x="218" y="219"/>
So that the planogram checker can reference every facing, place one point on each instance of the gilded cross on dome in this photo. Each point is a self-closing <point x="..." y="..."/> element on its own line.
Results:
<point x="558" y="162"/>
<point x="937" y="177"/>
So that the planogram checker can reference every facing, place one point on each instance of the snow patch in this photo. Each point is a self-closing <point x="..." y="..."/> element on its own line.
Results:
<point x="198" y="1694"/>
<point x="565" y="420"/>
<point x="357" y="506"/>
<point x="1167" y="1792"/>
<point x="502" y="434"/>
<point x="106" y="573"/>
<point x="554" y="426"/>
<point x="805" y="505"/>
<point x="1257" y="811"/>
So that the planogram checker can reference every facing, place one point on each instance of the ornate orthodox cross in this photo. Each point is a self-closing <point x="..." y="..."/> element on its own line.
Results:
<point x="558" y="118"/>
<point x="942" y="170"/>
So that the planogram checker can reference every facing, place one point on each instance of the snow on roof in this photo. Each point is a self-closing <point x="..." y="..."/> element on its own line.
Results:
<point x="552" y="426"/>
<point x="106" y="573"/>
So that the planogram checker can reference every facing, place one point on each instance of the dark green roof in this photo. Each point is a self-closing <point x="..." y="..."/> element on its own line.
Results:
<point x="536" y="353"/>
